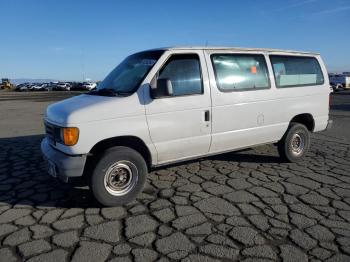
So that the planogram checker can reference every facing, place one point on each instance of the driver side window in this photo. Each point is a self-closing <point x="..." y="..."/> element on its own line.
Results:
<point x="184" y="72"/>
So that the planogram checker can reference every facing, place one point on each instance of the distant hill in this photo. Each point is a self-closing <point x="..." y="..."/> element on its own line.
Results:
<point x="18" y="81"/>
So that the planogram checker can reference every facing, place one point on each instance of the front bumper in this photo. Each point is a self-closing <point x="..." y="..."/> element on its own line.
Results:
<point x="65" y="165"/>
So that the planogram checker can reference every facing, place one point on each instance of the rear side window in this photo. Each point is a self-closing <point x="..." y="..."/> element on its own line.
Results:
<point x="294" y="71"/>
<point x="184" y="72"/>
<point x="239" y="72"/>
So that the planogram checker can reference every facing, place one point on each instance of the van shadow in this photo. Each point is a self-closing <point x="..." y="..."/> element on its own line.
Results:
<point x="24" y="180"/>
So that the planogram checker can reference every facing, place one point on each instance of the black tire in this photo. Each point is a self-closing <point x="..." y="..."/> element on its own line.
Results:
<point x="116" y="163"/>
<point x="288" y="148"/>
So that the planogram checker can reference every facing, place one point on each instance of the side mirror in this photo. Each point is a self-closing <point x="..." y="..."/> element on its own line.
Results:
<point x="163" y="88"/>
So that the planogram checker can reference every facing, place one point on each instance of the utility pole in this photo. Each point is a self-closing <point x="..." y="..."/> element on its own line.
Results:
<point x="82" y="63"/>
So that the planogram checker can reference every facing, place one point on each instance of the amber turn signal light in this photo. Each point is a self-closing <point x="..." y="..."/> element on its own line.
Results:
<point x="70" y="135"/>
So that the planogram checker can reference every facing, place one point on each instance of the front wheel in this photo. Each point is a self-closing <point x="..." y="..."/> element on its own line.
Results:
<point x="119" y="176"/>
<point x="295" y="143"/>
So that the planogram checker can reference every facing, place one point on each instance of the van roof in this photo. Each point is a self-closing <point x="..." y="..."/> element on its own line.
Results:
<point x="226" y="48"/>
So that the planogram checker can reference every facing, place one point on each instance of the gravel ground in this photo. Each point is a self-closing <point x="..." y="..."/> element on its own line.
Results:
<point x="237" y="206"/>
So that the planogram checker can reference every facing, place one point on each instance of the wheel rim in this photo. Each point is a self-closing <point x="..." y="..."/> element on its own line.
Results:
<point x="120" y="178"/>
<point x="297" y="144"/>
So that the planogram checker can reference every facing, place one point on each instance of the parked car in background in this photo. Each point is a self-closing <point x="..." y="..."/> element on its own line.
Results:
<point x="50" y="86"/>
<point x="77" y="86"/>
<point x="22" y="87"/>
<point x="168" y="105"/>
<point x="339" y="81"/>
<point x="32" y="86"/>
<point x="336" y="81"/>
<point x="56" y="86"/>
<point x="89" y="85"/>
<point x="39" y="87"/>
<point x="347" y="79"/>
<point x="62" y="86"/>
<point x="45" y="87"/>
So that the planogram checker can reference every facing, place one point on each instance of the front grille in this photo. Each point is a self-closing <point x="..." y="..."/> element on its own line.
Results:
<point x="50" y="132"/>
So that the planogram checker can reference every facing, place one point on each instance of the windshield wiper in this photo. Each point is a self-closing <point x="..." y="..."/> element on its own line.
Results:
<point x="108" y="92"/>
<point x="120" y="93"/>
<point x="104" y="92"/>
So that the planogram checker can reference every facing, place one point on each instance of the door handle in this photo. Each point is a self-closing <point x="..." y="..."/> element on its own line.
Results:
<point x="206" y="115"/>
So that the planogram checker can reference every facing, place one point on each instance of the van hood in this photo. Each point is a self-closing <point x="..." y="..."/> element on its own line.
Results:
<point x="88" y="108"/>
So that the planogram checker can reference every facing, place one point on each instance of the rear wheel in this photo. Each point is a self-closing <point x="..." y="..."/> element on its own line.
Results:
<point x="119" y="176"/>
<point x="295" y="143"/>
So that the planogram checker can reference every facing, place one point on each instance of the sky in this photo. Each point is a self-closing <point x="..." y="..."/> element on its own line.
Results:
<point x="74" y="40"/>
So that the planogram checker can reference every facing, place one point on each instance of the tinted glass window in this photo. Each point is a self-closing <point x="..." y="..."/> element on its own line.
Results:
<point x="184" y="73"/>
<point x="296" y="71"/>
<point x="240" y="72"/>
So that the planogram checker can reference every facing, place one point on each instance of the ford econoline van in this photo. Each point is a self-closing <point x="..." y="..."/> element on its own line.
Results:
<point x="172" y="104"/>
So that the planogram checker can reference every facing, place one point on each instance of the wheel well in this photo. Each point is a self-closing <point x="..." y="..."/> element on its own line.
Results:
<point x="305" y="119"/>
<point x="128" y="141"/>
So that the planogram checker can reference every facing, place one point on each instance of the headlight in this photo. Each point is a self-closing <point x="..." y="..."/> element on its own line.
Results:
<point x="69" y="135"/>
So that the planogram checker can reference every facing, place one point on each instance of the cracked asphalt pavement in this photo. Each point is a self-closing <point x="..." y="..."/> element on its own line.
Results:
<point x="245" y="205"/>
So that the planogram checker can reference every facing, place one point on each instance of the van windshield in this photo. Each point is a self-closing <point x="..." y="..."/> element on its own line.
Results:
<point x="128" y="75"/>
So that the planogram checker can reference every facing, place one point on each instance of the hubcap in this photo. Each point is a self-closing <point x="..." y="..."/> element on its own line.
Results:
<point x="297" y="144"/>
<point x="120" y="178"/>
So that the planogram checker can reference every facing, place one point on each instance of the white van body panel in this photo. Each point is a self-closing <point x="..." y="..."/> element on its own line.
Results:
<point x="174" y="128"/>
<point x="88" y="108"/>
<point x="176" y="124"/>
<point x="247" y="118"/>
<point x="99" y="118"/>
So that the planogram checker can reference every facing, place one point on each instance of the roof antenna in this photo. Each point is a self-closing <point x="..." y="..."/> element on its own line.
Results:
<point x="206" y="42"/>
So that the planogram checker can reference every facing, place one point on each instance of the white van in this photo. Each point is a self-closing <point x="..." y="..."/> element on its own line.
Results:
<point x="173" y="104"/>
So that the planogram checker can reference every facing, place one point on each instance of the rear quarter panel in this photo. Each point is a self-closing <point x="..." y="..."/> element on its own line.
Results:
<point x="313" y="100"/>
